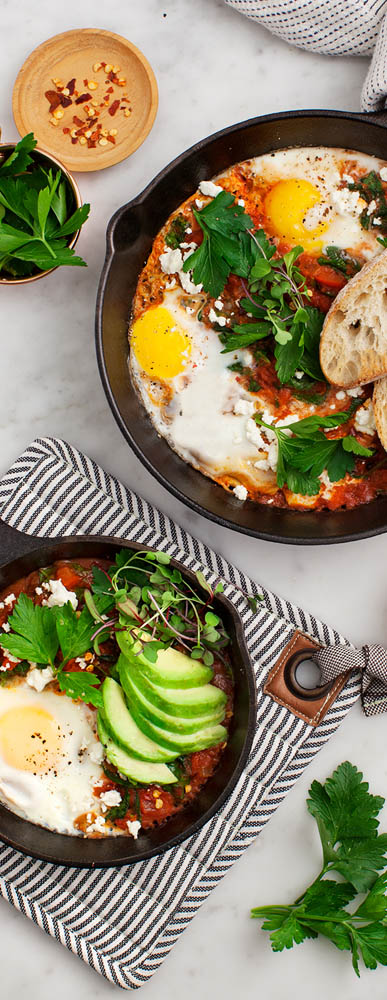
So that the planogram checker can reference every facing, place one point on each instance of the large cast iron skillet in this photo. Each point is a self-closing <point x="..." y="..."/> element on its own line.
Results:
<point x="19" y="555"/>
<point x="129" y="238"/>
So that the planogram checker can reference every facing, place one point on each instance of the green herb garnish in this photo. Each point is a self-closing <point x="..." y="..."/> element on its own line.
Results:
<point x="226" y="245"/>
<point x="34" y="636"/>
<point x="176" y="232"/>
<point x="35" y="219"/>
<point x="346" y="815"/>
<point x="308" y="452"/>
<point x="340" y="260"/>
<point x="80" y="684"/>
<point x="371" y="189"/>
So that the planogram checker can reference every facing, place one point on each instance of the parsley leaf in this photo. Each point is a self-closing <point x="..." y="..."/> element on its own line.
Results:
<point x="74" y="633"/>
<point x="340" y="260"/>
<point x="19" y="159"/>
<point x="80" y="684"/>
<point x="222" y="222"/>
<point x="176" y="231"/>
<point x="34" y="634"/>
<point x="346" y="815"/>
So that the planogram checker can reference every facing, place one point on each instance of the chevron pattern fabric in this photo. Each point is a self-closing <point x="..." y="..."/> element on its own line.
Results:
<point x="124" y="921"/>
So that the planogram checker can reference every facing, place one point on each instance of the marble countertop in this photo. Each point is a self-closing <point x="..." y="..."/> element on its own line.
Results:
<point x="213" y="68"/>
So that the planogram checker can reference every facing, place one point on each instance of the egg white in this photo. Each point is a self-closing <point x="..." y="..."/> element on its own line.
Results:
<point x="56" y="796"/>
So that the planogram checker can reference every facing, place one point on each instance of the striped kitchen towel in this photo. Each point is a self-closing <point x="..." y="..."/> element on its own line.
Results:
<point x="124" y="921"/>
<point x="333" y="27"/>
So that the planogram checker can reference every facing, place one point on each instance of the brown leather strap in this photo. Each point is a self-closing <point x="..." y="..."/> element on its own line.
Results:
<point x="308" y="704"/>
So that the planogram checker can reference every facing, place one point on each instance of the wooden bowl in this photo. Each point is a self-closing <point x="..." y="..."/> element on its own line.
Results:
<point x="73" y="54"/>
<point x="49" y="161"/>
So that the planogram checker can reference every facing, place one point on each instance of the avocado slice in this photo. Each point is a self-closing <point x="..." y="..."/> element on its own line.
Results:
<point x="141" y="771"/>
<point x="189" y="702"/>
<point x="124" y="731"/>
<point x="181" y="742"/>
<point x="173" y="723"/>
<point x="172" y="669"/>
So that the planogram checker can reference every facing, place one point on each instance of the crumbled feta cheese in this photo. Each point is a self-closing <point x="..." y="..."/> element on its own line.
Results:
<point x="1" y="605"/>
<point x="299" y="374"/>
<point x="291" y="419"/>
<point x="213" y="318"/>
<point x="9" y="600"/>
<point x="377" y="222"/>
<point x="218" y="304"/>
<point x="171" y="284"/>
<point x="347" y="178"/>
<point x="341" y="394"/>
<point x="240" y="492"/>
<point x="262" y="464"/>
<point x="332" y="406"/>
<point x="133" y="827"/>
<point x="45" y="585"/>
<point x="38" y="591"/>
<point x="171" y="261"/>
<point x="187" y="283"/>
<point x="199" y="203"/>
<point x="244" y="407"/>
<point x="98" y="826"/>
<point x="82" y="663"/>
<point x="357" y="391"/>
<point x="60" y="595"/>
<point x="6" y="627"/>
<point x="10" y="658"/>
<point x="241" y="202"/>
<point x="364" y="420"/>
<point x="314" y="216"/>
<point x="371" y="207"/>
<point x="348" y="202"/>
<point x="99" y="782"/>
<point x="254" y="435"/>
<point x="209" y="189"/>
<point x="188" y="229"/>
<point x="97" y="753"/>
<point x="111" y="798"/>
<point x="38" y="679"/>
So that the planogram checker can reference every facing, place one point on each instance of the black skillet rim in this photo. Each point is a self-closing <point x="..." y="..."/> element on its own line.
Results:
<point x="27" y="840"/>
<point x="375" y="118"/>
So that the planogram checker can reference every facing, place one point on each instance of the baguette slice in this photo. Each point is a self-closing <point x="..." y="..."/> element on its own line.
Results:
<point x="353" y="345"/>
<point x="379" y="401"/>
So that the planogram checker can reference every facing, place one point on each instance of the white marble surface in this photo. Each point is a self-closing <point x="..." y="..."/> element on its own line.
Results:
<point x="213" y="68"/>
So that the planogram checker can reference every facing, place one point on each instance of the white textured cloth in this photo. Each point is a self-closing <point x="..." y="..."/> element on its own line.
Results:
<point x="332" y="27"/>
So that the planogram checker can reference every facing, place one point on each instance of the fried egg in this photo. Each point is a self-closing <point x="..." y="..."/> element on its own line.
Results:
<point x="49" y="756"/>
<point x="196" y="402"/>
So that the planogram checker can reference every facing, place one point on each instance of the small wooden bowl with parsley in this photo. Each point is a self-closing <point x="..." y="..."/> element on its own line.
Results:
<point x="41" y="213"/>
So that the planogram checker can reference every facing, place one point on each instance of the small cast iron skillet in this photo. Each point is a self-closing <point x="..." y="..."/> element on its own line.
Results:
<point x="129" y="239"/>
<point x="19" y="555"/>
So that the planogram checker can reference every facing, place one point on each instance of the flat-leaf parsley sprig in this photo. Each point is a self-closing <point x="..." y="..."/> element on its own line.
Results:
<point x="225" y="246"/>
<point x="304" y="451"/>
<point x="346" y="816"/>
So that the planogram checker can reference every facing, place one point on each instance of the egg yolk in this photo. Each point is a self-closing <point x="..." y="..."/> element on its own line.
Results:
<point x="161" y="346"/>
<point x="286" y="206"/>
<point x="29" y="739"/>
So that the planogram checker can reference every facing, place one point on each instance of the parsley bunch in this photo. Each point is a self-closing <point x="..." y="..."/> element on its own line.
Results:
<point x="346" y="815"/>
<point x="303" y="456"/>
<point x="35" y="218"/>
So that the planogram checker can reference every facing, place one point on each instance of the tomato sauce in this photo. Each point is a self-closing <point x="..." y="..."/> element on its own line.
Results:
<point x="154" y="804"/>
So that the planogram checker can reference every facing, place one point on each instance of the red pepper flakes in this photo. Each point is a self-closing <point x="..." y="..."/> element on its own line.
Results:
<point x="82" y="98"/>
<point x="110" y="90"/>
<point x="110" y="138"/>
<point x="54" y="99"/>
<point x="65" y="101"/>
<point x="77" y="121"/>
<point x="113" y="108"/>
<point x="70" y="86"/>
<point x="66" y="131"/>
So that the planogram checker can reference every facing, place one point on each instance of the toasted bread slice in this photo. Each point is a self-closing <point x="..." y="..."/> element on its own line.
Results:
<point x="353" y="345"/>
<point x="379" y="400"/>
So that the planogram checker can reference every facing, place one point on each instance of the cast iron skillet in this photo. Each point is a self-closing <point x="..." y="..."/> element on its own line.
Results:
<point x="129" y="239"/>
<point x="19" y="555"/>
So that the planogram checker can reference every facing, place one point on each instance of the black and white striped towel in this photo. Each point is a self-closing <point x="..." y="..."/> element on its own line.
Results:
<point x="333" y="27"/>
<point x="124" y="921"/>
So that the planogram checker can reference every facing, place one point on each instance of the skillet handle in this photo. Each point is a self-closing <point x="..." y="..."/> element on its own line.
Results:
<point x="282" y="685"/>
<point x="14" y="543"/>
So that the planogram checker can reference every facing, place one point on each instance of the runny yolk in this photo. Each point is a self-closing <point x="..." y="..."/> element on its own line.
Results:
<point x="29" y="739"/>
<point x="286" y="205"/>
<point x="161" y="346"/>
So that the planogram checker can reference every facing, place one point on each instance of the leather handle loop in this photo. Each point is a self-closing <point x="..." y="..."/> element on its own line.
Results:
<point x="282" y="686"/>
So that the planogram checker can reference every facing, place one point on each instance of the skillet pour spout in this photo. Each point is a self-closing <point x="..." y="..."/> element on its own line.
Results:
<point x="130" y="235"/>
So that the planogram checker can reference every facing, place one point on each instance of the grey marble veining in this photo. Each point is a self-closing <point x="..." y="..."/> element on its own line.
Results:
<point x="213" y="68"/>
